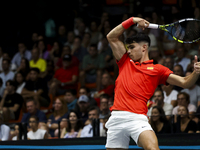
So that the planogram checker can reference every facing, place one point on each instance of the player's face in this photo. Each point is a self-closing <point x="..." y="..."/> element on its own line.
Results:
<point x="134" y="51"/>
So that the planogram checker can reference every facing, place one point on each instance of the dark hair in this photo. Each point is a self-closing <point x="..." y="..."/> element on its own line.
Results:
<point x="94" y="45"/>
<point x="35" y="117"/>
<point x="13" y="83"/>
<point x="35" y="70"/>
<point x="23" y="75"/>
<point x="27" y="64"/>
<point x="106" y="96"/>
<point x="94" y="108"/>
<point x="79" y="124"/>
<point x="31" y="100"/>
<point x="181" y="67"/>
<point x="37" y="43"/>
<point x="140" y="37"/>
<point x="85" y="88"/>
<point x="162" y="117"/>
<point x="187" y="96"/>
<point x="159" y="89"/>
<point x="72" y="91"/>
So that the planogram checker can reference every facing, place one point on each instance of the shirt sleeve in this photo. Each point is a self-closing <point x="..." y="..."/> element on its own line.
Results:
<point x="122" y="60"/>
<point x="164" y="74"/>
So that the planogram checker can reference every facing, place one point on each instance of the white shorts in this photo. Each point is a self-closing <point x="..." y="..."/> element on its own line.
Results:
<point x="122" y="125"/>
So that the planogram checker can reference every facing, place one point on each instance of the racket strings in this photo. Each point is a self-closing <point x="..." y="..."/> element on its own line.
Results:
<point x="186" y="31"/>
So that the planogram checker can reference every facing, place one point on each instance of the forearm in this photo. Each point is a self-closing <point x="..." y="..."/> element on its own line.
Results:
<point x="190" y="80"/>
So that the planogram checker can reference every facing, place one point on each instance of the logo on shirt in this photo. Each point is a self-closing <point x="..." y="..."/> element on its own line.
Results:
<point x="149" y="68"/>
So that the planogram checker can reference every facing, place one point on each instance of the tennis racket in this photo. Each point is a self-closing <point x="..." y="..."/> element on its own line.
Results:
<point x="184" y="31"/>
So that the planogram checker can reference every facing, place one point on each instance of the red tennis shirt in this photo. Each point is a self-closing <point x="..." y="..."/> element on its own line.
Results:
<point x="136" y="84"/>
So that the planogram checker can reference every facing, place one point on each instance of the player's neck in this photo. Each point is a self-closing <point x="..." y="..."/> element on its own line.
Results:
<point x="144" y="58"/>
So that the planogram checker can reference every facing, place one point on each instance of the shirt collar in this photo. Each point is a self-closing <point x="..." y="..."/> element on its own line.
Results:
<point x="144" y="62"/>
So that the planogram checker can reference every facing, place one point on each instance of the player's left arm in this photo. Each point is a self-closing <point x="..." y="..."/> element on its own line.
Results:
<point x="186" y="82"/>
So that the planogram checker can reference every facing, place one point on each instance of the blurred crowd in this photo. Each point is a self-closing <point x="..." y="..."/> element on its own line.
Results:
<point x="65" y="80"/>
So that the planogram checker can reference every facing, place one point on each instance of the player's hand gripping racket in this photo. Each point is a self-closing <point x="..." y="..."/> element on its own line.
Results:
<point x="184" y="31"/>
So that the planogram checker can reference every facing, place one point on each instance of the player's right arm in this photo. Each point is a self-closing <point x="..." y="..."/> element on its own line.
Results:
<point x="117" y="46"/>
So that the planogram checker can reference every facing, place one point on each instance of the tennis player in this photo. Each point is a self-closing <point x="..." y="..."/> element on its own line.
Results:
<point x="138" y="78"/>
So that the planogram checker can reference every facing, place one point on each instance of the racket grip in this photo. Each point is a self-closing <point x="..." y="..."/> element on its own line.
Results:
<point x="153" y="26"/>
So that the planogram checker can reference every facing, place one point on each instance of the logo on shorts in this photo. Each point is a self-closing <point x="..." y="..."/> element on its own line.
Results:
<point x="143" y="126"/>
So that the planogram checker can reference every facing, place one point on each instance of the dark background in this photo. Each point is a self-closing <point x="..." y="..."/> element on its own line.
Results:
<point x="19" y="19"/>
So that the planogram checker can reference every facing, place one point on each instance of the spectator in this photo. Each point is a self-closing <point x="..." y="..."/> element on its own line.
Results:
<point x="65" y="77"/>
<point x="66" y="51"/>
<point x="87" y="131"/>
<point x="83" y="105"/>
<point x="70" y="39"/>
<point x="37" y="62"/>
<point x="184" y="124"/>
<point x="32" y="110"/>
<point x="1" y="88"/>
<point x="170" y="95"/>
<point x="49" y="73"/>
<point x="35" y="132"/>
<point x="78" y="50"/>
<point x="158" y="121"/>
<point x="96" y="36"/>
<point x="34" y="39"/>
<point x="169" y="63"/>
<point x="181" y="59"/>
<point x="60" y="113"/>
<point x="86" y="91"/>
<point x="14" y="135"/>
<point x="158" y="98"/>
<point x="6" y="74"/>
<point x="70" y="99"/>
<point x="43" y="52"/>
<point x="107" y="87"/>
<point x="12" y="67"/>
<point x="55" y="52"/>
<point x="44" y="127"/>
<point x="104" y="109"/>
<point x="105" y="50"/>
<point x="86" y="40"/>
<point x="11" y="102"/>
<point x="62" y="38"/>
<point x="23" y="53"/>
<point x="1" y="58"/>
<point x="20" y="80"/>
<point x="74" y="126"/>
<point x="183" y="99"/>
<point x="92" y="67"/>
<point x="194" y="92"/>
<point x="36" y="88"/>
<point x="178" y="70"/>
<point x="24" y="67"/>
<point x="4" y="130"/>
<point x="156" y="55"/>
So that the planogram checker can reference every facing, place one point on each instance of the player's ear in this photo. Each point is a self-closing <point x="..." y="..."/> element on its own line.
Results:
<point x="144" y="47"/>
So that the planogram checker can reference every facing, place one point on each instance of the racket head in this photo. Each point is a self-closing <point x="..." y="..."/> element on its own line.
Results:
<point x="184" y="31"/>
